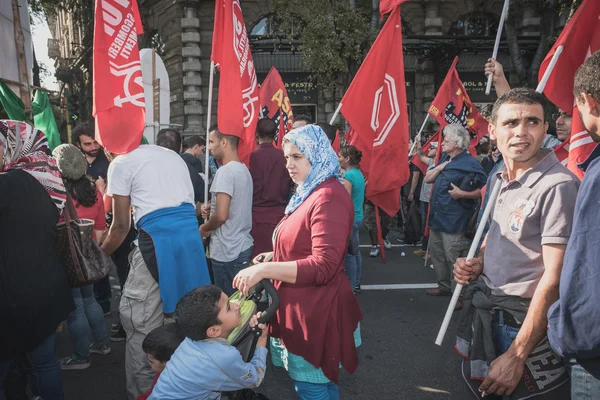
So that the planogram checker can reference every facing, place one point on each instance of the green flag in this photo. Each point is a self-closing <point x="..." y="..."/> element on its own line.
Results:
<point x="43" y="118"/>
<point x="12" y="103"/>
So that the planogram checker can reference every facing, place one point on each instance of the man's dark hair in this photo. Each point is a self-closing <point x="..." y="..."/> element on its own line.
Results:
<point x="266" y="128"/>
<point x="192" y="141"/>
<point x="83" y="130"/>
<point x="587" y="79"/>
<point x="303" y="117"/>
<point x="197" y="311"/>
<point x="233" y="140"/>
<point x="162" y="342"/>
<point x="170" y="139"/>
<point x="519" y="96"/>
<point x="329" y="130"/>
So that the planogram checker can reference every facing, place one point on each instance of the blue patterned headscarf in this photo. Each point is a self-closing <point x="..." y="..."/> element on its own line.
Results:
<point x="314" y="145"/>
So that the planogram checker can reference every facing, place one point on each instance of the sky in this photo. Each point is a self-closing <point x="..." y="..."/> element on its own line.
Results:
<point x="41" y="34"/>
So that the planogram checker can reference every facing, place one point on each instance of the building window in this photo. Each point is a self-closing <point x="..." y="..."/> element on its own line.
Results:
<point x="477" y="23"/>
<point x="269" y="26"/>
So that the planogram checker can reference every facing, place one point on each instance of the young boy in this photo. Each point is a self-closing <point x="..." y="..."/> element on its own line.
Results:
<point x="159" y="346"/>
<point x="205" y="364"/>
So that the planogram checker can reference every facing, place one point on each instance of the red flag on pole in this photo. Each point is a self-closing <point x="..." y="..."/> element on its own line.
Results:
<point x="579" y="39"/>
<point x="238" y="108"/>
<point x="119" y="109"/>
<point x="386" y="6"/>
<point x="381" y="127"/>
<point x="275" y="103"/>
<point x="452" y="105"/>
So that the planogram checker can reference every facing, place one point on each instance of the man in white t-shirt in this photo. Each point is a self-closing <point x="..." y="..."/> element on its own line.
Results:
<point x="230" y="210"/>
<point x="168" y="259"/>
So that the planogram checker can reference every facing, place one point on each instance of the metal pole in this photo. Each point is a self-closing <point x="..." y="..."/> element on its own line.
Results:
<point x="208" y="118"/>
<point x="418" y="137"/>
<point x="427" y="253"/>
<point x="542" y="85"/>
<point x="335" y="114"/>
<point x="497" y="44"/>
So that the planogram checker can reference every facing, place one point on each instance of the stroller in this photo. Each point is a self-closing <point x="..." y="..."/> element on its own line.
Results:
<point x="245" y="338"/>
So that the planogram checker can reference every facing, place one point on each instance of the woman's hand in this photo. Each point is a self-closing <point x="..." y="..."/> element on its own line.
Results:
<point x="262" y="257"/>
<point x="248" y="278"/>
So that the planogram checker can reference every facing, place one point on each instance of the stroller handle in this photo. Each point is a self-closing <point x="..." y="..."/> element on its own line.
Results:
<point x="266" y="285"/>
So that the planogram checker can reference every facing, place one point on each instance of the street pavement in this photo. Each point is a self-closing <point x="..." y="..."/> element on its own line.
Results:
<point x="397" y="360"/>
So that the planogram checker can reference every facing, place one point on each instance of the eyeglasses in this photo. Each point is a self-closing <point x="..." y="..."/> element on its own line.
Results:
<point x="561" y="114"/>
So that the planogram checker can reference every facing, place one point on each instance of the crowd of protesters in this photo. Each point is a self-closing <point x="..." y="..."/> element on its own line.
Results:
<point x="294" y="216"/>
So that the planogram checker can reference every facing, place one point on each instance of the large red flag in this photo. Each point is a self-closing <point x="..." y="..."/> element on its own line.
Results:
<point x="238" y="107"/>
<point x="383" y="124"/>
<point x="580" y="39"/>
<point x="119" y="109"/>
<point x="275" y="103"/>
<point x="452" y="105"/>
<point x="385" y="6"/>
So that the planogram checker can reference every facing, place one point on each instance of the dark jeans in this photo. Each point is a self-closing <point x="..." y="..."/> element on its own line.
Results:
<point x="103" y="293"/>
<point x="224" y="272"/>
<point x="353" y="259"/>
<point x="503" y="335"/>
<point x="585" y="382"/>
<point x="43" y="370"/>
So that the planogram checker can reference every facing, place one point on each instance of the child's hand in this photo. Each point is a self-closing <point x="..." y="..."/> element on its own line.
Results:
<point x="263" y="327"/>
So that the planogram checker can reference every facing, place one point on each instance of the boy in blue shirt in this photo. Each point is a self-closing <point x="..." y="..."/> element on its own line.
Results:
<point x="205" y="364"/>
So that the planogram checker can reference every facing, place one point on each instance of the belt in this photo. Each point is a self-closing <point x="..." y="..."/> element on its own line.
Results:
<point x="505" y="318"/>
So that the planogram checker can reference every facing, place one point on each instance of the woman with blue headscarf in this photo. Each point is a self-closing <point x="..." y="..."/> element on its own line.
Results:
<point x="315" y="328"/>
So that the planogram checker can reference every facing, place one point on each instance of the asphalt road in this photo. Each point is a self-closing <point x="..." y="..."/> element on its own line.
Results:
<point x="398" y="357"/>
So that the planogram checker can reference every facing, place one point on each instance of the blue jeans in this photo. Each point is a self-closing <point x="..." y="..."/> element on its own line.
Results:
<point x="87" y="313"/>
<point x="353" y="259"/>
<point x="317" y="391"/>
<point x="224" y="272"/>
<point x="504" y="335"/>
<point x="585" y="383"/>
<point x="43" y="370"/>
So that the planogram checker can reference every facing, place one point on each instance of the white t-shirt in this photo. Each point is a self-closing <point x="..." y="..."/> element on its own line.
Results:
<point x="154" y="177"/>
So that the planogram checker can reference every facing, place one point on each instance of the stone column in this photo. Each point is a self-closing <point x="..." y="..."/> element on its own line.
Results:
<point x="530" y="25"/>
<point x="433" y="21"/>
<point x="192" y="81"/>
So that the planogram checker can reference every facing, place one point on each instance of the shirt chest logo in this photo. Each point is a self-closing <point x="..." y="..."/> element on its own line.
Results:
<point x="516" y="220"/>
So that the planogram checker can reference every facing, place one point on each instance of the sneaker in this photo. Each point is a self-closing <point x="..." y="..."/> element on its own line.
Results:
<point x="104" y="349"/>
<point x="119" y="336"/>
<point x="107" y="313"/>
<point x="357" y="289"/>
<point x="419" y="252"/>
<point x="387" y="244"/>
<point x="374" y="251"/>
<point x="75" y="362"/>
<point x="402" y="243"/>
<point x="114" y="328"/>
<point x="419" y="243"/>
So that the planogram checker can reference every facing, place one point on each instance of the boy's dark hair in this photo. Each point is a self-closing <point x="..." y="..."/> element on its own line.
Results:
<point x="197" y="311"/>
<point x="519" y="96"/>
<point x="162" y="342"/>
<point x="587" y="79"/>
<point x="303" y="117"/>
<point x="170" y="139"/>
<point x="329" y="130"/>
<point x="266" y="128"/>
<point x="192" y="141"/>
<point x="233" y="140"/>
<point x="83" y="130"/>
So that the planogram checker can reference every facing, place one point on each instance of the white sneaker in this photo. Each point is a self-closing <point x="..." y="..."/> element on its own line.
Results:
<point x="374" y="251"/>
<point x="387" y="244"/>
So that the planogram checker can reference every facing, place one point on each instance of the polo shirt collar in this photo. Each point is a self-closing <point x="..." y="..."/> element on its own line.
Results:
<point x="533" y="174"/>
<point x="460" y="155"/>
<point x="593" y="155"/>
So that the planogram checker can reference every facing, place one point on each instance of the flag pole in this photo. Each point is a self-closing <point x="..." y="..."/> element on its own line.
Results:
<point x="497" y="44"/>
<point x="470" y="255"/>
<point x="335" y="114"/>
<point x="418" y="137"/>
<point x="542" y="85"/>
<point x="426" y="253"/>
<point x="211" y="80"/>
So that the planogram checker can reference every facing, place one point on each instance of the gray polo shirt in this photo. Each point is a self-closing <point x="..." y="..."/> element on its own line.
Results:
<point x="533" y="210"/>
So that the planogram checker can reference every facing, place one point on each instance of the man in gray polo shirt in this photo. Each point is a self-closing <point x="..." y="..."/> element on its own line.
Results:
<point x="521" y="257"/>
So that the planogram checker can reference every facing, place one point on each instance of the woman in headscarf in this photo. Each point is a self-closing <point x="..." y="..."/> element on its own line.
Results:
<point x="34" y="295"/>
<point x="316" y="327"/>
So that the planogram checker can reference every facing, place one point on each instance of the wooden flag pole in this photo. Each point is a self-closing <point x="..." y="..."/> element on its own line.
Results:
<point x="211" y="80"/>
<point x="497" y="44"/>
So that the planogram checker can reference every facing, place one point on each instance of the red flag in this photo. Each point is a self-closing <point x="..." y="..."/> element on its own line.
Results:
<point x="336" y="142"/>
<point x="452" y="105"/>
<point x="382" y="126"/>
<point x="386" y="6"/>
<point x="119" y="109"/>
<point x="275" y="103"/>
<point x="416" y="161"/>
<point x="238" y="107"/>
<point x="580" y="39"/>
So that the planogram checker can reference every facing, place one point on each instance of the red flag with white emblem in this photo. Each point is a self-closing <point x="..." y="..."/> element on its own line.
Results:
<point x="375" y="106"/>
<point x="238" y="108"/>
<point x="275" y="104"/>
<point x="579" y="39"/>
<point x="119" y="109"/>
<point x="452" y="105"/>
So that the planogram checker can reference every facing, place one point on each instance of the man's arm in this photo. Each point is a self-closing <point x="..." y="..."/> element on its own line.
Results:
<point x="506" y="371"/>
<point x="413" y="185"/>
<point x="498" y="78"/>
<point x="121" y="206"/>
<point x="458" y="194"/>
<point x="432" y="174"/>
<point x="220" y="215"/>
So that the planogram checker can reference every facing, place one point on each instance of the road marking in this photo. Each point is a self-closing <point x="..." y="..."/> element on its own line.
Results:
<point x="394" y="245"/>
<point x="400" y="286"/>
